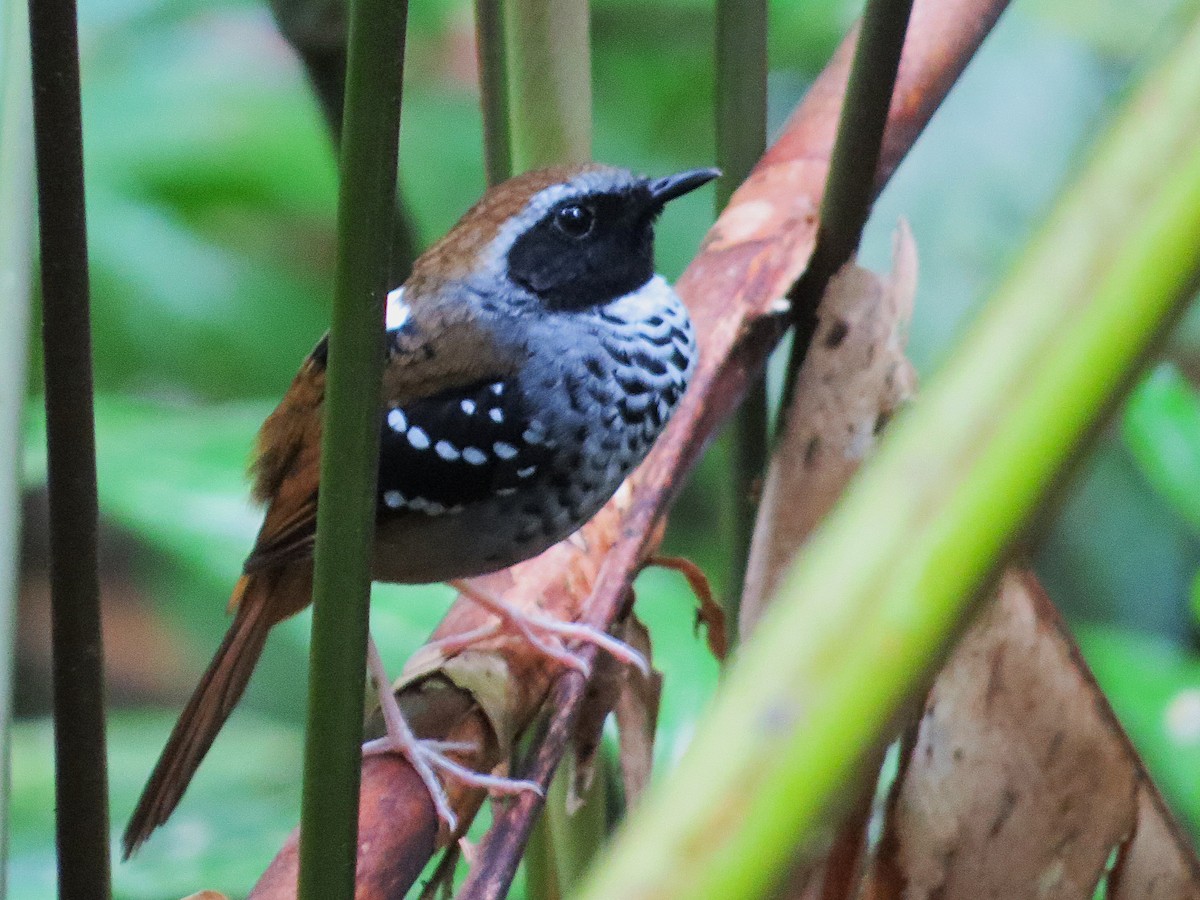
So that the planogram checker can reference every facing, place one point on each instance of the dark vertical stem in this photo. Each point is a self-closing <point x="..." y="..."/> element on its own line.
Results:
<point x="741" y="120"/>
<point x="851" y="184"/>
<point x="81" y="781"/>
<point x="346" y="515"/>
<point x="493" y="89"/>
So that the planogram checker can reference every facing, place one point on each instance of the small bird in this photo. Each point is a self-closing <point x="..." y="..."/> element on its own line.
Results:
<point x="533" y="356"/>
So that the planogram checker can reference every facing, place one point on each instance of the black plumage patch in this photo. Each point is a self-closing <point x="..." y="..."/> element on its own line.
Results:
<point x="459" y="447"/>
<point x="574" y="270"/>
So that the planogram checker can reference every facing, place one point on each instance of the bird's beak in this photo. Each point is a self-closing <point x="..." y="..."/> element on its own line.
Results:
<point x="663" y="190"/>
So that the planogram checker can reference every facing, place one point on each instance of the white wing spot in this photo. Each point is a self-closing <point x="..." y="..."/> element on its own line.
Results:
<point x="526" y="472"/>
<point x="496" y="414"/>
<point x="503" y="450"/>
<point x="446" y="451"/>
<point x="474" y="456"/>
<point x="397" y="421"/>
<point x="394" y="499"/>
<point x="506" y="492"/>
<point x="418" y="438"/>
<point x="468" y="406"/>
<point x="397" y="311"/>
<point x="498" y="388"/>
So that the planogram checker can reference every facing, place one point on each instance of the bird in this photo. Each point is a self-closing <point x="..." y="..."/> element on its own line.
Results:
<point x="533" y="356"/>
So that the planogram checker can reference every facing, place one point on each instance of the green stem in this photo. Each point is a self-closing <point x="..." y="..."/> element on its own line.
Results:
<point x="80" y="758"/>
<point x="16" y="232"/>
<point x="493" y="89"/>
<point x="576" y="838"/>
<point x="550" y="82"/>
<point x="881" y="589"/>
<point x="541" y="869"/>
<point x="741" y="122"/>
<point x="853" y="165"/>
<point x="349" y="457"/>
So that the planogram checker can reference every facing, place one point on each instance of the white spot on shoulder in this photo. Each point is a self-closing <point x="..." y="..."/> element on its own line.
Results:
<point x="503" y="450"/>
<point x="394" y="499"/>
<point x="396" y="421"/>
<point x="496" y="414"/>
<point x="418" y="438"/>
<point x="474" y="456"/>
<point x="446" y="451"/>
<point x="468" y="407"/>
<point x="396" y="310"/>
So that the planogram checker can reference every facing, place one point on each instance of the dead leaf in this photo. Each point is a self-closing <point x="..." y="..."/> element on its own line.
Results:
<point x="1020" y="782"/>
<point x="637" y="717"/>
<point x="853" y="379"/>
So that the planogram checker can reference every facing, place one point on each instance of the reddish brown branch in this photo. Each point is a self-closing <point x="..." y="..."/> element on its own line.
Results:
<point x="752" y="256"/>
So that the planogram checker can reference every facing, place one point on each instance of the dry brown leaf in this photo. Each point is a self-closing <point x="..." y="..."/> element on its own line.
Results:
<point x="853" y="379"/>
<point x="1156" y="863"/>
<point x="1020" y="782"/>
<point x="637" y="718"/>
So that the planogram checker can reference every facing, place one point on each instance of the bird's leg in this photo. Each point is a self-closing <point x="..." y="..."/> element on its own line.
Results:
<point x="428" y="756"/>
<point x="535" y="628"/>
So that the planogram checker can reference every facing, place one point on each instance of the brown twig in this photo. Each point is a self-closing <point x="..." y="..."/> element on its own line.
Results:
<point x="753" y="255"/>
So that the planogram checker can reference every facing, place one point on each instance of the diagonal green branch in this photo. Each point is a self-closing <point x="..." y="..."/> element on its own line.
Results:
<point x="881" y="589"/>
<point x="346" y="515"/>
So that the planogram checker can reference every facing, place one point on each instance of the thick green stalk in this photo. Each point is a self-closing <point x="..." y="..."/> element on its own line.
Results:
<point x="493" y="89"/>
<point x="741" y="122"/>
<point x="878" y="593"/>
<point x="16" y="233"/>
<point x="549" y="82"/>
<point x="80" y="757"/>
<point x="349" y="457"/>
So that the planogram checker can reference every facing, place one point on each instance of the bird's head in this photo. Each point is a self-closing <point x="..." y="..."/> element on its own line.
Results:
<point x="563" y="238"/>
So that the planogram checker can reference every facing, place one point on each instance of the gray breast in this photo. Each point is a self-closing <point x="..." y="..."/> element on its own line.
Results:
<point x="582" y="414"/>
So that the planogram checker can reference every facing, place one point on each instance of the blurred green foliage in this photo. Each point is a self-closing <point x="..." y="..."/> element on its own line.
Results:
<point x="211" y="198"/>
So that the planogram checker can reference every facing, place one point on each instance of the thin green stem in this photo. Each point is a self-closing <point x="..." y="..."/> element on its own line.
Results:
<point x="541" y="870"/>
<point x="741" y="122"/>
<point x="493" y="89"/>
<point x="80" y="758"/>
<point x="879" y="591"/>
<point x="349" y="457"/>
<point x="853" y="165"/>
<point x="576" y="837"/>
<point x="16" y="233"/>
<point x="549" y="82"/>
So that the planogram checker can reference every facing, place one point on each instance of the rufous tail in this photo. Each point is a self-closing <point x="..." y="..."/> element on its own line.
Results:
<point x="259" y="607"/>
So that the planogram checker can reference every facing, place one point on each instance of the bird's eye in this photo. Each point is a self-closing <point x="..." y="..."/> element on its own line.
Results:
<point x="574" y="221"/>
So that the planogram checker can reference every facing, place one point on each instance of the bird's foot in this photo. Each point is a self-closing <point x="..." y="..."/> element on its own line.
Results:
<point x="429" y="757"/>
<point x="547" y="634"/>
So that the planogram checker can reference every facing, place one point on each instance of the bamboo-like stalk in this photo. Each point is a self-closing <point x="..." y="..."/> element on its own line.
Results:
<point x="741" y="123"/>
<point x="549" y="82"/>
<point x="853" y="168"/>
<point x="493" y="89"/>
<point x="16" y="233"/>
<point x="80" y="758"/>
<point x="870" y="606"/>
<point x="350" y="451"/>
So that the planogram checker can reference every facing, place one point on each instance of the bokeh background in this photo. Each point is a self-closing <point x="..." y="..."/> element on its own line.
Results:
<point x="211" y="182"/>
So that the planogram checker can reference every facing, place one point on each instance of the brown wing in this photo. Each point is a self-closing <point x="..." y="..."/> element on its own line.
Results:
<point x="287" y="469"/>
<point x="440" y="349"/>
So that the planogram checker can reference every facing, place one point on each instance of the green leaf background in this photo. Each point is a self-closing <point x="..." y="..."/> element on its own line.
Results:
<point x="211" y="198"/>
